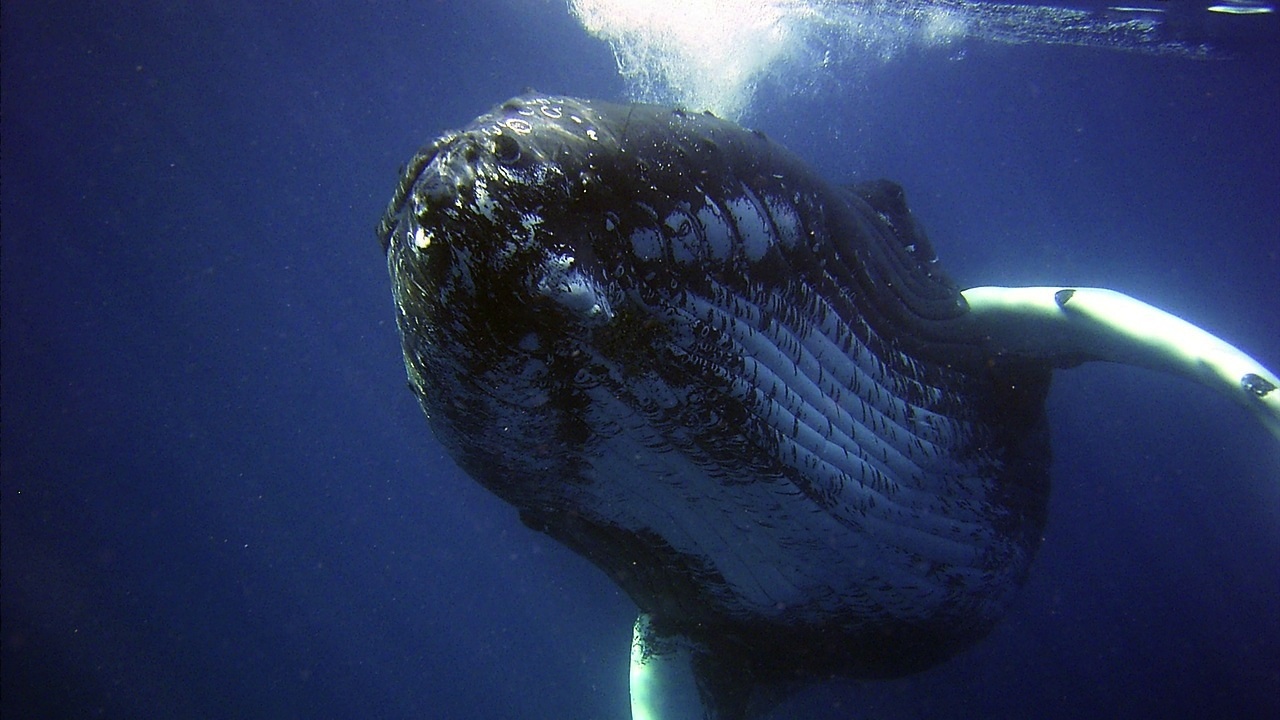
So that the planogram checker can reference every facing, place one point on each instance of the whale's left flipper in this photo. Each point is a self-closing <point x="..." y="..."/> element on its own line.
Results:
<point x="677" y="677"/>
<point x="1067" y="326"/>
<point x="664" y="680"/>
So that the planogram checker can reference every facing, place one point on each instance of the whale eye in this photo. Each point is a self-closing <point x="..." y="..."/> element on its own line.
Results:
<point x="506" y="149"/>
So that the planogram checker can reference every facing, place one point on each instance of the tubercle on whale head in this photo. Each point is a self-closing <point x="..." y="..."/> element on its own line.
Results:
<point x="465" y="228"/>
<point x="473" y="207"/>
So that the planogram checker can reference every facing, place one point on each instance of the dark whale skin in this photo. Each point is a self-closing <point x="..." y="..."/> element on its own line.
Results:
<point x="741" y="391"/>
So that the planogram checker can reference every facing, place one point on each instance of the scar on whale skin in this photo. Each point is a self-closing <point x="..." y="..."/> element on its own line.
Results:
<point x="749" y="396"/>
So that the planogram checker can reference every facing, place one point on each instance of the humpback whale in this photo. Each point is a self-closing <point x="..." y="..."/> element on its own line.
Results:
<point x="750" y="396"/>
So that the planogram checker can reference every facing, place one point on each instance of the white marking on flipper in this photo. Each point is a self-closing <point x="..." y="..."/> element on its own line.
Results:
<point x="1068" y="325"/>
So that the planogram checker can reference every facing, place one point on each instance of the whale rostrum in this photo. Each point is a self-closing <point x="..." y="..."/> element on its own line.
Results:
<point x="749" y="396"/>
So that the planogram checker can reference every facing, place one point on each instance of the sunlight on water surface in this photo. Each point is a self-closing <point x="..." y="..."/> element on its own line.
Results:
<point x="712" y="54"/>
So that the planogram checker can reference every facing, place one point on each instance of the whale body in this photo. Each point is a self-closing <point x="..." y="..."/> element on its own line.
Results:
<point x="750" y="396"/>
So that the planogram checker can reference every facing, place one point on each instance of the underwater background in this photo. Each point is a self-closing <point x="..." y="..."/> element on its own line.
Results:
<point x="219" y="499"/>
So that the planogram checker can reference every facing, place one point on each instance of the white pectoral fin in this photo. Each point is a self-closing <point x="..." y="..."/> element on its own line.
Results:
<point x="1064" y="326"/>
<point x="676" y="677"/>
<point x="663" y="680"/>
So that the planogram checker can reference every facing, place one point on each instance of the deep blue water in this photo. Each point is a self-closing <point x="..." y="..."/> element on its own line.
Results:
<point x="220" y="499"/>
